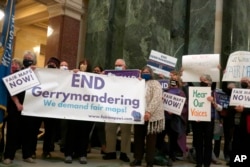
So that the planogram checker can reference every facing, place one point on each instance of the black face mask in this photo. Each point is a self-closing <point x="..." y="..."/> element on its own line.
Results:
<point x="51" y="66"/>
<point x="203" y="84"/>
<point x="27" y="63"/>
<point x="244" y="85"/>
<point x="230" y="92"/>
<point x="173" y="83"/>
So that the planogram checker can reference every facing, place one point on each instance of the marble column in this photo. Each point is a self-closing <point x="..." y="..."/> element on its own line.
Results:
<point x="235" y="28"/>
<point x="99" y="32"/>
<point x="240" y="24"/>
<point x="127" y="29"/>
<point x="179" y="30"/>
<point x="201" y="27"/>
<point x="63" y="31"/>
<point x="147" y="27"/>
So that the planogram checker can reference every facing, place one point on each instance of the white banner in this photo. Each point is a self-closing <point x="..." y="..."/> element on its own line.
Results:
<point x="86" y="96"/>
<point x="161" y="63"/>
<point x="173" y="103"/>
<point x="238" y="66"/>
<point x="199" y="108"/>
<point x="20" y="81"/>
<point x="240" y="97"/>
<point x="196" y="65"/>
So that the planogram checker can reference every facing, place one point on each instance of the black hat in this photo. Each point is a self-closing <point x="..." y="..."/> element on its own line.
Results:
<point x="54" y="60"/>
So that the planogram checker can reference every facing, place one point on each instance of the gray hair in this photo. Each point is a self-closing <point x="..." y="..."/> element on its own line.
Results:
<point x="207" y="77"/>
<point x="18" y="61"/>
<point x="122" y="60"/>
<point x="28" y="52"/>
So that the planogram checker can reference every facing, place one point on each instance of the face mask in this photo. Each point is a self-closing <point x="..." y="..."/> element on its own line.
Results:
<point x="244" y="85"/>
<point x="27" y="63"/>
<point x="83" y="67"/>
<point x="51" y="66"/>
<point x="203" y="84"/>
<point x="146" y="76"/>
<point x="173" y="83"/>
<point x="118" y="68"/>
<point x="63" y="67"/>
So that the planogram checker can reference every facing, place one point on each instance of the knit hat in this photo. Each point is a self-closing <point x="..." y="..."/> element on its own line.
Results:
<point x="54" y="60"/>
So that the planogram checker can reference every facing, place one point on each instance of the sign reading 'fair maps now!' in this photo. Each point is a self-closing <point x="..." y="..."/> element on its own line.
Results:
<point x="240" y="97"/>
<point x="86" y="96"/>
<point x="20" y="81"/>
<point x="173" y="103"/>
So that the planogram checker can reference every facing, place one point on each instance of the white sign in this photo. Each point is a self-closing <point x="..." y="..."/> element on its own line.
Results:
<point x="173" y="103"/>
<point x="199" y="108"/>
<point x="196" y="65"/>
<point x="86" y="96"/>
<point x="240" y="97"/>
<point x="238" y="66"/>
<point x="20" y="81"/>
<point x="161" y="63"/>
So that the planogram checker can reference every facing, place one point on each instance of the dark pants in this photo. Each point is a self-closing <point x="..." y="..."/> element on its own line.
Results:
<point x="140" y="133"/>
<point x="100" y="127"/>
<point x="20" y="132"/>
<point x="50" y="125"/>
<point x="13" y="135"/>
<point x="77" y="138"/>
<point x="228" y="129"/>
<point x="217" y="144"/>
<point x="29" y="135"/>
<point x="172" y="140"/>
<point x="203" y="135"/>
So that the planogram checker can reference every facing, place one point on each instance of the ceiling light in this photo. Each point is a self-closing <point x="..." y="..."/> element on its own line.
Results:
<point x="1" y="14"/>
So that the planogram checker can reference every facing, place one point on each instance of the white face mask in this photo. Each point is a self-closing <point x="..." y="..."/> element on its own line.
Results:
<point x="118" y="68"/>
<point x="63" y="67"/>
<point x="83" y="67"/>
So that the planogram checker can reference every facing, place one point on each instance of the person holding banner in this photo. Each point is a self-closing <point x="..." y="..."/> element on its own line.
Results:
<point x="99" y="126"/>
<point x="154" y="121"/>
<point x="64" y="65"/>
<point x="203" y="131"/>
<point x="50" y="124"/>
<point x="77" y="135"/>
<point x="98" y="70"/>
<point x="111" y="131"/>
<point x="20" y="129"/>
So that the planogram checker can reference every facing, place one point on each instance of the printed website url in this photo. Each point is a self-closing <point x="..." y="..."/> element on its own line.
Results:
<point x="109" y="117"/>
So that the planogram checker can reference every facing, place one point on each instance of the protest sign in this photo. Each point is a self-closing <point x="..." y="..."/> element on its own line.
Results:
<point x="20" y="81"/>
<point x="199" y="108"/>
<point x="129" y="73"/>
<point x="223" y="98"/>
<point x="196" y="65"/>
<point x="238" y="66"/>
<point x="240" y="97"/>
<point x="164" y="83"/>
<point x="161" y="63"/>
<point x="173" y="103"/>
<point x="86" y="96"/>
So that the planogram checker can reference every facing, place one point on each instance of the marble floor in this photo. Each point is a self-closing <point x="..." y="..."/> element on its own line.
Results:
<point x="94" y="160"/>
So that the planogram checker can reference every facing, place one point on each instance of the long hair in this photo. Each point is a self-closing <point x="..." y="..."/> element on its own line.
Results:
<point x="150" y="71"/>
<point x="85" y="61"/>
